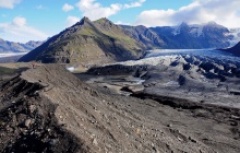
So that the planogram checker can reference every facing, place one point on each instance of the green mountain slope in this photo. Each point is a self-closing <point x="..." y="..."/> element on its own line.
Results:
<point x="87" y="42"/>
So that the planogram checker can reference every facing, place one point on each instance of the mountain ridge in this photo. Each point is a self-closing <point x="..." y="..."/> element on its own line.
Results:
<point x="87" y="41"/>
<point x="185" y="36"/>
<point x="102" y="41"/>
<point x="146" y="36"/>
<point x="9" y="46"/>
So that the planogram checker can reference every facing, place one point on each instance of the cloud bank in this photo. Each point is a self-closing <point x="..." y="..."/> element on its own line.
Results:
<point x="19" y="31"/>
<point x="94" y="10"/>
<point x="67" y="7"/>
<point x="71" y="20"/>
<point x="225" y="12"/>
<point x="9" y="3"/>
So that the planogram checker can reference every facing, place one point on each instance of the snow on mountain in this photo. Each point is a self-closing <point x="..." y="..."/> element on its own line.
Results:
<point x="176" y="30"/>
<point x="196" y="30"/>
<point x="235" y="36"/>
<point x="194" y="36"/>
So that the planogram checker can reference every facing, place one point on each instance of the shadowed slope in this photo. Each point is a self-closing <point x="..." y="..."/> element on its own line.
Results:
<point x="234" y="50"/>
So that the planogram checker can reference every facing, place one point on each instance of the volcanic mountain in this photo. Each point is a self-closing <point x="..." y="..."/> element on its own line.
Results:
<point x="87" y="42"/>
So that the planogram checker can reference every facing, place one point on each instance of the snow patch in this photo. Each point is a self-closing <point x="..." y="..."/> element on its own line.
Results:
<point x="71" y="69"/>
<point x="171" y="83"/>
<point x="235" y="33"/>
<point x="196" y="30"/>
<point x="11" y="54"/>
<point x="176" y="30"/>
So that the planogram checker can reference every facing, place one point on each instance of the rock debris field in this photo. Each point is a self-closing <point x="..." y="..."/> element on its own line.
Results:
<point x="51" y="110"/>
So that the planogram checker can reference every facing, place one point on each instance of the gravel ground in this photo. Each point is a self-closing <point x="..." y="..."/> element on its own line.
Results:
<point x="54" y="109"/>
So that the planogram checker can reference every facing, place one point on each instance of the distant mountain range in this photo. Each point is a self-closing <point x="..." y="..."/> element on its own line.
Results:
<point x="184" y="36"/>
<point x="102" y="40"/>
<point x="13" y="47"/>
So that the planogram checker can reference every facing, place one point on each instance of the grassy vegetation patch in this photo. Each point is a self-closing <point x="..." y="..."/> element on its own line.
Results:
<point x="4" y="70"/>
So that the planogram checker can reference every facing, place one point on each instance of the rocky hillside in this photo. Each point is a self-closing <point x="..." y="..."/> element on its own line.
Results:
<point x="88" y="42"/>
<point x="48" y="109"/>
<point x="7" y="46"/>
<point x="146" y="36"/>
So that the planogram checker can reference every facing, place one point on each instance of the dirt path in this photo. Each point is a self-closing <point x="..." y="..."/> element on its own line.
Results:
<point x="98" y="122"/>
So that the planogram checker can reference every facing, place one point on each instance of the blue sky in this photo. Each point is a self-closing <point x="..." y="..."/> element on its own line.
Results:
<point x="24" y="20"/>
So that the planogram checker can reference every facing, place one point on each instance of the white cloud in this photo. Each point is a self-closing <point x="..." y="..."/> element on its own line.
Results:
<point x="94" y="10"/>
<point x="71" y="20"/>
<point x="134" y="4"/>
<point x="19" y="21"/>
<point x="9" y="3"/>
<point x="67" y="7"/>
<point x="122" y="23"/>
<point x="19" y="31"/>
<point x="199" y="11"/>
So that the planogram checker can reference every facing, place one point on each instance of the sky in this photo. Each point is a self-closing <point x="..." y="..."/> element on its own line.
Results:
<point x="24" y="20"/>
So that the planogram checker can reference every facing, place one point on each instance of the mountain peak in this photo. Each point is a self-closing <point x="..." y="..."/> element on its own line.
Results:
<point x="103" y="21"/>
<point x="84" y="20"/>
<point x="86" y="42"/>
<point x="215" y="25"/>
<point x="212" y="23"/>
<point x="183" y="24"/>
